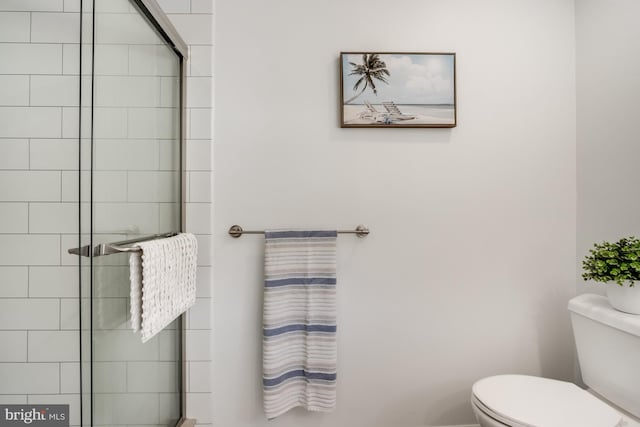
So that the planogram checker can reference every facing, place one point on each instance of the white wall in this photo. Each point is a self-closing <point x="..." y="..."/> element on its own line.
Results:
<point x="471" y="259"/>
<point x="607" y="69"/>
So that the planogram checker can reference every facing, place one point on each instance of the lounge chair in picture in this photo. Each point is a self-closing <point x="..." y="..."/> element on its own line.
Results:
<point x="373" y="114"/>
<point x="395" y="112"/>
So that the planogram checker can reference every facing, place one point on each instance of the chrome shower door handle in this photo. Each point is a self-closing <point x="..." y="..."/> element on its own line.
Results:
<point x="117" y="247"/>
<point x="81" y="251"/>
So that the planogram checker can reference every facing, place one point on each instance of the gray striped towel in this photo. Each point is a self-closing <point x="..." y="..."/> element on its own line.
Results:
<point x="299" y="321"/>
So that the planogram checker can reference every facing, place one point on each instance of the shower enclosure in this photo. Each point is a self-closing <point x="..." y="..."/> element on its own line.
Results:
<point x="132" y="63"/>
<point x="91" y="156"/>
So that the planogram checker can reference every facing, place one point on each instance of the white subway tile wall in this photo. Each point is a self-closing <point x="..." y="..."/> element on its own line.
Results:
<point x="53" y="346"/>
<point x="14" y="26"/>
<point x="54" y="90"/>
<point x="31" y="58"/>
<point x="53" y="282"/>
<point x="15" y="352"/>
<point x="30" y="186"/>
<point x="15" y="218"/>
<point x="200" y="187"/>
<point x="176" y="6"/>
<point x="15" y="282"/>
<point x="18" y="122"/>
<point x="54" y="27"/>
<point x="53" y="218"/>
<point x="14" y="90"/>
<point x="200" y="123"/>
<point x="69" y="314"/>
<point x="199" y="405"/>
<point x="32" y="5"/>
<point x="14" y="154"/>
<point x="195" y="28"/>
<point x="202" y="6"/>
<point x="39" y="307"/>
<point x="132" y="408"/>
<point x="39" y="356"/>
<point x="29" y="249"/>
<point x="73" y="400"/>
<point x="56" y="154"/>
<point x="10" y="399"/>
<point x="70" y="378"/>
<point x="29" y="378"/>
<point x="152" y="377"/>
<point x="110" y="377"/>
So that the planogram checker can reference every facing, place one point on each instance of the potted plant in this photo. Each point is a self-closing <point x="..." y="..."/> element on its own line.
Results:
<point x="618" y="265"/>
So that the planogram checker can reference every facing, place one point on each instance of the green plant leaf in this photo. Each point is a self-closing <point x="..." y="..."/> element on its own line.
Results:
<point x="618" y="261"/>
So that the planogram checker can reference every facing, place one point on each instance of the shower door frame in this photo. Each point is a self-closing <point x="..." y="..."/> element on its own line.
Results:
<point x="161" y="23"/>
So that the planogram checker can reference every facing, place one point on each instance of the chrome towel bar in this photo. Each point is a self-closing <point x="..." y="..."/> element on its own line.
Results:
<point x="118" y="247"/>
<point x="237" y="231"/>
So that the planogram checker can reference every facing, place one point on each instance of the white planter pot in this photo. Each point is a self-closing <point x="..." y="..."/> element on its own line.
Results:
<point x="624" y="298"/>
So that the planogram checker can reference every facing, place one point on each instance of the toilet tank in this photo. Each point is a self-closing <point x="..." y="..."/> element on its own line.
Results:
<point x="608" y="345"/>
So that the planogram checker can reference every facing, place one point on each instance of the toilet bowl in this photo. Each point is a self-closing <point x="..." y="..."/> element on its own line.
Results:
<point x="525" y="401"/>
<point x="608" y="347"/>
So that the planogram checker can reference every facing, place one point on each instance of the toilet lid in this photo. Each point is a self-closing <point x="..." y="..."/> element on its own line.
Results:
<point x="523" y="400"/>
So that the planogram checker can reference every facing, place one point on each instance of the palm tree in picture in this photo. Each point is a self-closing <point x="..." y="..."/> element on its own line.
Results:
<point x="372" y="68"/>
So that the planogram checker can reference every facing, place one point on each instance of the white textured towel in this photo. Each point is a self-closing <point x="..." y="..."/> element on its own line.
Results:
<point x="163" y="282"/>
<point x="299" y="321"/>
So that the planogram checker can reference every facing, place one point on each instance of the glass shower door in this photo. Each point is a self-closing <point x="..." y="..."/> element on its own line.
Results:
<point x="131" y="183"/>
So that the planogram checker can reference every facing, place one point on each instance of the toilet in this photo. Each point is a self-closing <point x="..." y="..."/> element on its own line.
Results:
<point x="608" y="346"/>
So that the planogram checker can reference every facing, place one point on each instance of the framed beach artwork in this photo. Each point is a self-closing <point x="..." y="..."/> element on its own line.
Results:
<point x="398" y="90"/>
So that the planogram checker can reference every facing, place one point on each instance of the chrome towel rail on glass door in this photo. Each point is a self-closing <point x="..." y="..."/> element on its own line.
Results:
<point x="237" y="231"/>
<point x="118" y="247"/>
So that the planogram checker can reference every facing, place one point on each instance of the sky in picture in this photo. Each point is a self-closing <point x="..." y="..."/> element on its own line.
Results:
<point x="414" y="79"/>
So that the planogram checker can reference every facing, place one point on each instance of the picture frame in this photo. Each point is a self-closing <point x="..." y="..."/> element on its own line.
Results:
<point x="398" y="90"/>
